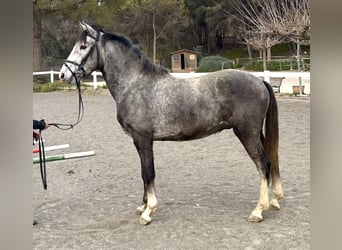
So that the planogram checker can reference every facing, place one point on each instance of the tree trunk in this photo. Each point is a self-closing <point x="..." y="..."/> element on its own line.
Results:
<point x="208" y="41"/>
<point x="154" y="39"/>
<point x="249" y="51"/>
<point x="299" y="68"/>
<point x="37" y="39"/>
<point x="268" y="46"/>
<point x="269" y="55"/>
<point x="264" y="59"/>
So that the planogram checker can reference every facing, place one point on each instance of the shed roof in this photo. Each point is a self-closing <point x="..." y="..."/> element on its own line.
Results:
<point x="184" y="50"/>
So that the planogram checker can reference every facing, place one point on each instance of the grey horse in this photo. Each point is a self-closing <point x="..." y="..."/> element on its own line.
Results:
<point x="153" y="105"/>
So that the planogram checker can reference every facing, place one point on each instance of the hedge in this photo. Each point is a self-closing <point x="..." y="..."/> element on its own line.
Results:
<point x="214" y="63"/>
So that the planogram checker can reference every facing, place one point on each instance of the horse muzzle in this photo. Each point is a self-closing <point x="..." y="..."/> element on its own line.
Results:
<point x="69" y="75"/>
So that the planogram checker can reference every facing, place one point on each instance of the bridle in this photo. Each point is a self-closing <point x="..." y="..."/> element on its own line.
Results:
<point x="86" y="57"/>
<point x="80" y="67"/>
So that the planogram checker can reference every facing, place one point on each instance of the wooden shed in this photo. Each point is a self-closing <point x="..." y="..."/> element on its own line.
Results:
<point x="183" y="61"/>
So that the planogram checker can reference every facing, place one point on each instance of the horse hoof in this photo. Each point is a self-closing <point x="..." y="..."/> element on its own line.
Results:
<point x="254" y="218"/>
<point x="274" y="205"/>
<point x="145" y="220"/>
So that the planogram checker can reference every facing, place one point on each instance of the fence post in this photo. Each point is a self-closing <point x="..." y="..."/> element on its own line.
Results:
<point x="267" y="76"/>
<point x="94" y="80"/>
<point x="51" y="76"/>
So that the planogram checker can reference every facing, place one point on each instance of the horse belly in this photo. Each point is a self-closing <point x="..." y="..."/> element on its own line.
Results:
<point x="190" y="111"/>
<point x="189" y="130"/>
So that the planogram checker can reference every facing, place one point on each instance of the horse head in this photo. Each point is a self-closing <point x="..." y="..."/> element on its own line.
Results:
<point x="84" y="57"/>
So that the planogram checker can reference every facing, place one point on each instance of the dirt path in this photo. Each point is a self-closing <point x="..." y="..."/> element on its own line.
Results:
<point x="206" y="188"/>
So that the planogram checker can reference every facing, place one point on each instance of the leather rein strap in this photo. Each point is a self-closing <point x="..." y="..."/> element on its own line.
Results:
<point x="78" y="82"/>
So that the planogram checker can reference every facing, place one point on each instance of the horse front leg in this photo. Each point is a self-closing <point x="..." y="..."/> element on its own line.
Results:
<point x="144" y="146"/>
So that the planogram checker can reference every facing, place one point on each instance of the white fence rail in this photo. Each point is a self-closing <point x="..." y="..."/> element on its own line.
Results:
<point x="51" y="73"/>
<point x="265" y="74"/>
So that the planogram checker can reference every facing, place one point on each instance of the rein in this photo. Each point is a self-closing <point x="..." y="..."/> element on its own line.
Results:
<point x="78" y="81"/>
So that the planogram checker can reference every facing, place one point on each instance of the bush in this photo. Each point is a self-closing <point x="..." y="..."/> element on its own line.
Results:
<point x="48" y="87"/>
<point x="214" y="63"/>
<point x="235" y="53"/>
<point x="257" y="65"/>
<point x="254" y="65"/>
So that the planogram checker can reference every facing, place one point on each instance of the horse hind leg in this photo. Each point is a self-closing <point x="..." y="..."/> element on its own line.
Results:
<point x="277" y="189"/>
<point x="255" y="150"/>
<point x="145" y="151"/>
<point x="263" y="203"/>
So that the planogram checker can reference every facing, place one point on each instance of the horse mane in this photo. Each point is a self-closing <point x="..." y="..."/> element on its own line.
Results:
<point x="148" y="66"/>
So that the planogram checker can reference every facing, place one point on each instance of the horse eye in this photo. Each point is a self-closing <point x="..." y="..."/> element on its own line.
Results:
<point x="83" y="47"/>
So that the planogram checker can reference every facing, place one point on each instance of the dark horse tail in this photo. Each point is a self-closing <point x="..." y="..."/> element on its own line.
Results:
<point x="271" y="141"/>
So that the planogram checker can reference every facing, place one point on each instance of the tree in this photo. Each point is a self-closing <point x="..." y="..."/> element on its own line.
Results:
<point x="57" y="22"/>
<point x="151" y="20"/>
<point x="208" y="24"/>
<point x="217" y="24"/>
<point x="269" y="22"/>
<point x="41" y="10"/>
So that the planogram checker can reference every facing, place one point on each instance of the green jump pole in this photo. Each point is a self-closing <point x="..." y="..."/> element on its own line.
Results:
<point x="65" y="156"/>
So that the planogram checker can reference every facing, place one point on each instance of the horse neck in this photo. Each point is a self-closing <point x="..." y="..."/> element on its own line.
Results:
<point x="121" y="72"/>
<point x="125" y="68"/>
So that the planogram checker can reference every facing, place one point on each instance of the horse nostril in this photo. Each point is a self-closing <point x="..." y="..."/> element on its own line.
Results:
<point x="61" y="76"/>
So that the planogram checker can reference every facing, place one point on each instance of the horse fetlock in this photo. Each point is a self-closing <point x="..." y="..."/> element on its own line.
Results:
<point x="277" y="190"/>
<point x="279" y="194"/>
<point x="265" y="205"/>
<point x="152" y="202"/>
<point x="151" y="208"/>
<point x="152" y="205"/>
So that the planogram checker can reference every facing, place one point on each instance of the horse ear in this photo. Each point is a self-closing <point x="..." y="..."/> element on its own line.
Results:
<point x="84" y="25"/>
<point x="87" y="27"/>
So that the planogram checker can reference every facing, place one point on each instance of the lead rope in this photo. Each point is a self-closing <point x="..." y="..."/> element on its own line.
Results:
<point x="42" y="160"/>
<point x="61" y="126"/>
